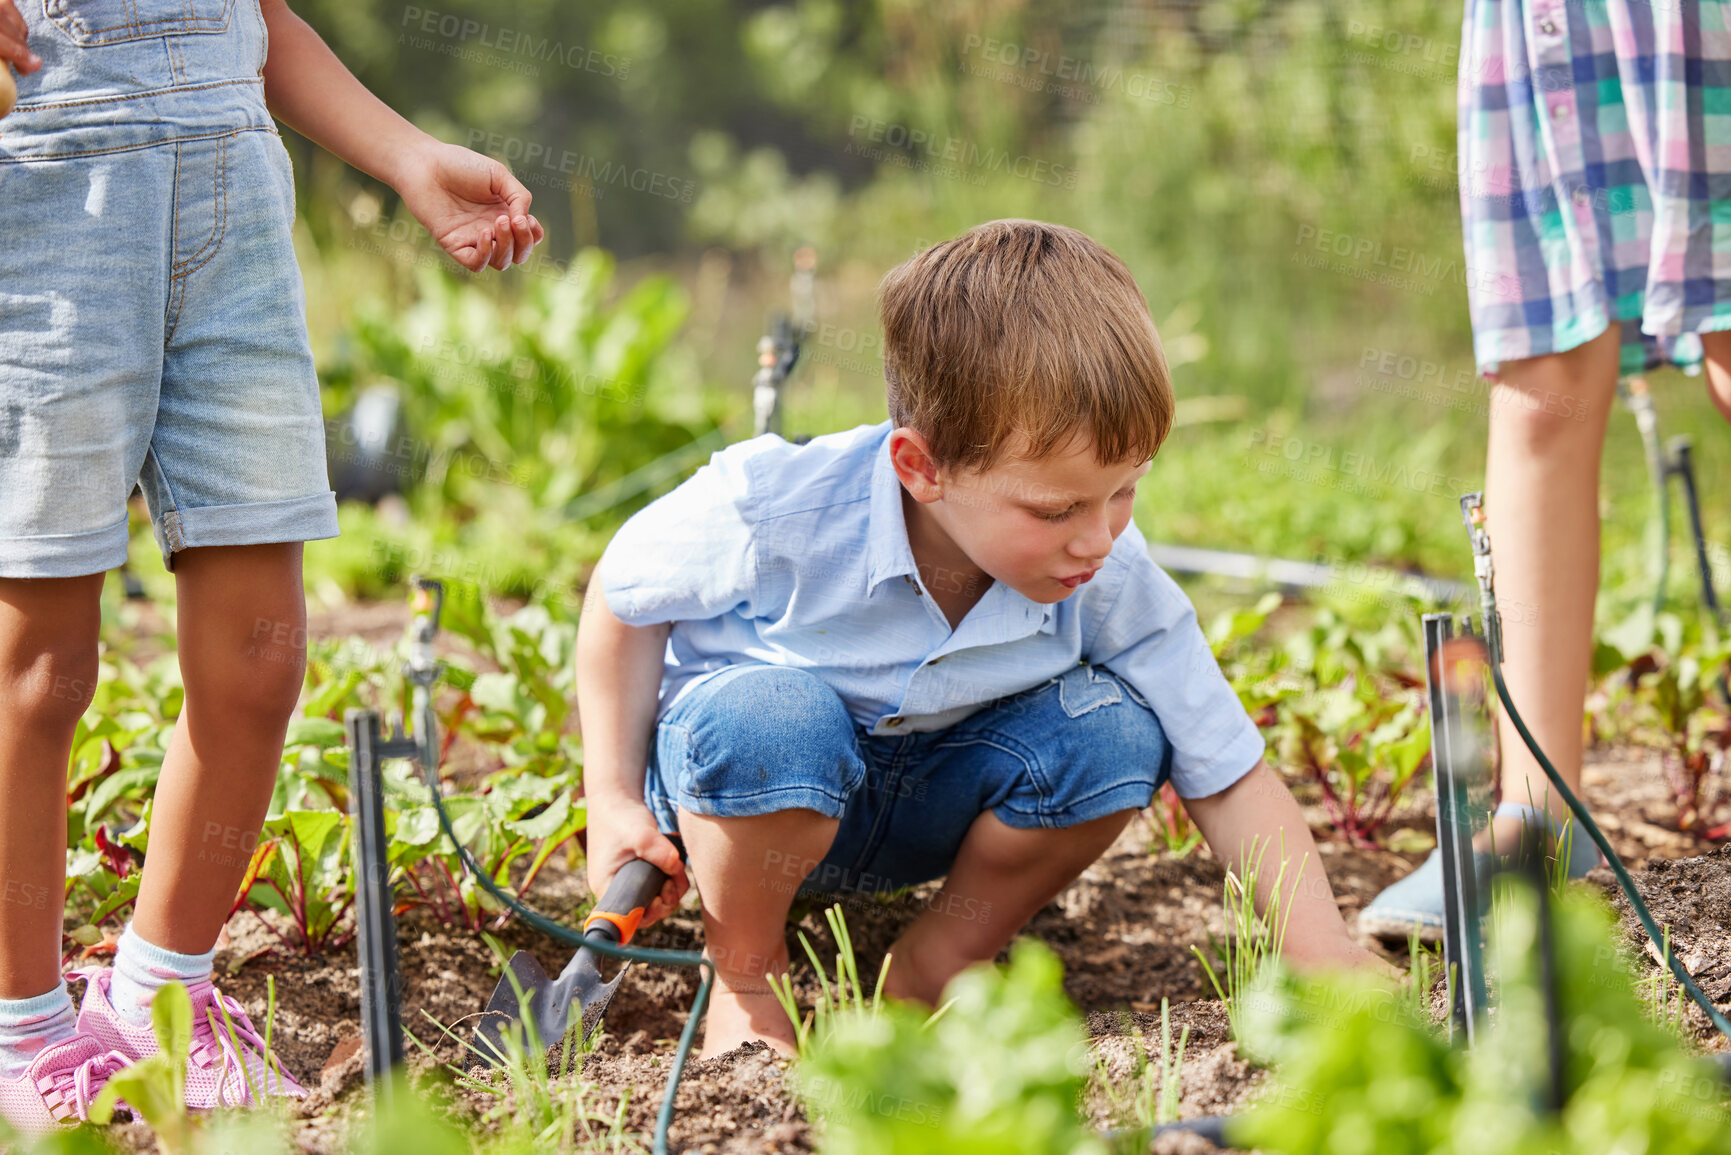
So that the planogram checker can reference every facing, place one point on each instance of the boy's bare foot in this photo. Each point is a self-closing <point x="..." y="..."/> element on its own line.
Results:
<point x="738" y="1016"/>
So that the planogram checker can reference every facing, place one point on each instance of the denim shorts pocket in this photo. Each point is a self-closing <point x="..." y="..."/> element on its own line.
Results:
<point x="95" y="23"/>
<point x="1087" y="688"/>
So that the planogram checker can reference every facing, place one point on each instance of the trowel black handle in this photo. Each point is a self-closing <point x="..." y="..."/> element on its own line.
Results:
<point x="633" y="888"/>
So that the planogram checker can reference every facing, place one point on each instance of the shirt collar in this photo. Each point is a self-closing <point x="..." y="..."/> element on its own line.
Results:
<point x="888" y="554"/>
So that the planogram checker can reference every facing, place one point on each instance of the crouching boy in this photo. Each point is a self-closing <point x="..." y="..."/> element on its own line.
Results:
<point x="932" y="647"/>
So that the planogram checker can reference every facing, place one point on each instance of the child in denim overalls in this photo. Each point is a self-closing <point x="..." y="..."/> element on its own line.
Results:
<point x="152" y="331"/>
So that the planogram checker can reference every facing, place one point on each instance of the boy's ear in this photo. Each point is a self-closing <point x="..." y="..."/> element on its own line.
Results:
<point x="912" y="458"/>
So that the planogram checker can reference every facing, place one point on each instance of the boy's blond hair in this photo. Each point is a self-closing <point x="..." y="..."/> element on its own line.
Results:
<point x="1021" y="333"/>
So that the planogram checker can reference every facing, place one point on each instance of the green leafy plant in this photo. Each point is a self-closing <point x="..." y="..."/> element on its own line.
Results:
<point x="301" y="870"/>
<point x="1359" y="1070"/>
<point x="1000" y="1071"/>
<point x="1172" y="826"/>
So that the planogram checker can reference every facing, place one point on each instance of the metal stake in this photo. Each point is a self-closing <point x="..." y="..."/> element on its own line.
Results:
<point x="376" y="930"/>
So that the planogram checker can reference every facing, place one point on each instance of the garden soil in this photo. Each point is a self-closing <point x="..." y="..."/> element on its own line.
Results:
<point x="1123" y="930"/>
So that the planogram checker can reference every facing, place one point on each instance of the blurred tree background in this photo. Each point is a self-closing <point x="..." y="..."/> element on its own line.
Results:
<point x="1279" y="175"/>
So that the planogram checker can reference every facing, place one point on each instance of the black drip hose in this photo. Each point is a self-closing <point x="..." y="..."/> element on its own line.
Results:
<point x="1720" y="1023"/>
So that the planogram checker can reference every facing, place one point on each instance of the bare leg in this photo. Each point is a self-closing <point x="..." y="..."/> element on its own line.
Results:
<point x="1717" y="346"/>
<point x="1547" y="431"/>
<point x="738" y="865"/>
<point x="1002" y="876"/>
<point x="48" y="666"/>
<point x="241" y="623"/>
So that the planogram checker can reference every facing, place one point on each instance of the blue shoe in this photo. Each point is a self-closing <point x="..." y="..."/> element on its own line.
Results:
<point x="1415" y="903"/>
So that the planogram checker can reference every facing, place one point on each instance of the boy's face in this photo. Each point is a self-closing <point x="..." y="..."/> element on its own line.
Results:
<point x="1041" y="527"/>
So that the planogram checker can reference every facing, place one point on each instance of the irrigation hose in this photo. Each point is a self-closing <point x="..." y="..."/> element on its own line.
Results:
<point x="1473" y="516"/>
<point x="1627" y="884"/>
<point x="562" y="933"/>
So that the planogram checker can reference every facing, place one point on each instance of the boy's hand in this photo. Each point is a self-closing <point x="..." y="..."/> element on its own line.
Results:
<point x="1338" y="953"/>
<point x="630" y="832"/>
<point x="12" y="33"/>
<point x="471" y="204"/>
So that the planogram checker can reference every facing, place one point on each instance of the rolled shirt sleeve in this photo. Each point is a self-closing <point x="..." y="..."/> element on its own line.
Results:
<point x="1149" y="636"/>
<point x="690" y="554"/>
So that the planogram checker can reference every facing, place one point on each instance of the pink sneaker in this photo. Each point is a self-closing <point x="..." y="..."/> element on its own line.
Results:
<point x="214" y="1076"/>
<point x="57" y="1088"/>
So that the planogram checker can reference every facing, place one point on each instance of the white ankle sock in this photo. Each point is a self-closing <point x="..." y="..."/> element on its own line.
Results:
<point x="142" y="968"/>
<point x="28" y="1025"/>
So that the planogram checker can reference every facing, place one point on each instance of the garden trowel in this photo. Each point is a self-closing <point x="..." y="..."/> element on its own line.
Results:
<point x="548" y="1002"/>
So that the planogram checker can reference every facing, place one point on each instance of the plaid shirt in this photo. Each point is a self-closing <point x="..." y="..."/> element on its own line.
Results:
<point x="1595" y="168"/>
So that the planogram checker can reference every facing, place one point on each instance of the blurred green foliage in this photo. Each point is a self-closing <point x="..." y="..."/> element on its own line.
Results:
<point x="1361" y="1068"/>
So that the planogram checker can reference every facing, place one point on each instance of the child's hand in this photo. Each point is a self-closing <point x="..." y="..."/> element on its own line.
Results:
<point x="626" y="833"/>
<point x="12" y="33"/>
<point x="471" y="204"/>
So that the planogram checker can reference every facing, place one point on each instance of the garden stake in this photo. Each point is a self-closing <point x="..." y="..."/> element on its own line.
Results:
<point x="778" y="349"/>
<point x="1674" y="459"/>
<point x="1458" y="756"/>
<point x="375" y="928"/>
<point x="422" y="670"/>
<point x="1472" y="507"/>
<point x="1531" y="859"/>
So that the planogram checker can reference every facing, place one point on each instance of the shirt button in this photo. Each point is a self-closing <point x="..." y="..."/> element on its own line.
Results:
<point x="1581" y="196"/>
<point x="1548" y="27"/>
<point x="1560" y="112"/>
<point x="893" y="721"/>
<point x="934" y="661"/>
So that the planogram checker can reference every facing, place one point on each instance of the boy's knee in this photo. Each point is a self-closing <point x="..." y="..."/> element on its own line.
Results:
<point x="761" y="740"/>
<point x="51" y="689"/>
<point x="777" y="718"/>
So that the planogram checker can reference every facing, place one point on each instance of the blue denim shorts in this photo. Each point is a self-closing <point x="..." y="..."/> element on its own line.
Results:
<point x="152" y="316"/>
<point x="755" y="739"/>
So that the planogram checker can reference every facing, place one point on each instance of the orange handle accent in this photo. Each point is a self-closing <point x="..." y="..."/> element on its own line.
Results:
<point x="627" y="923"/>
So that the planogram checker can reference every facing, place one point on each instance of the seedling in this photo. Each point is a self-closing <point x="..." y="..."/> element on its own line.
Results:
<point x="1252" y="940"/>
<point x="1153" y="1080"/>
<point x="849" y="995"/>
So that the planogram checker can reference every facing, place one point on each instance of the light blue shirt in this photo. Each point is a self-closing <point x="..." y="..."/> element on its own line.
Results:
<point x="798" y="556"/>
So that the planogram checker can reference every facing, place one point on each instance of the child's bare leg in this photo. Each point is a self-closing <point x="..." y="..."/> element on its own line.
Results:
<point x="1717" y="347"/>
<point x="745" y="904"/>
<point x="241" y="624"/>
<point x="48" y="665"/>
<point x="1002" y="876"/>
<point x="1547" y="431"/>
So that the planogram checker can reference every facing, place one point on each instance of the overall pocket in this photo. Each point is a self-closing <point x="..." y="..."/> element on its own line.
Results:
<point x="94" y="23"/>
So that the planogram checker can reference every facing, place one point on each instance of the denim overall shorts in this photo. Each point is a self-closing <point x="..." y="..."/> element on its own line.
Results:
<point x="152" y="316"/>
